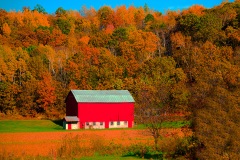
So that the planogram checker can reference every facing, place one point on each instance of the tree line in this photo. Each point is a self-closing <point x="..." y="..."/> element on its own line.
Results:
<point x="186" y="61"/>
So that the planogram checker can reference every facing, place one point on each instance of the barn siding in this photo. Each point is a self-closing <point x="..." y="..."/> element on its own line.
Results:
<point x="74" y="125"/>
<point x="69" y="125"/>
<point x="112" y="106"/>
<point x="106" y="112"/>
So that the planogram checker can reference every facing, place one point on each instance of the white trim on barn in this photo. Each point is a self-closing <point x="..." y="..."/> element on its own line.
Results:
<point x="95" y="125"/>
<point x="118" y="124"/>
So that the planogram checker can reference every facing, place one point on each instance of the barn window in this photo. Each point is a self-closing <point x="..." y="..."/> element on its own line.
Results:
<point x="101" y="123"/>
<point x="94" y="123"/>
<point x="118" y="123"/>
<point x="125" y="122"/>
<point x="112" y="123"/>
<point x="87" y="123"/>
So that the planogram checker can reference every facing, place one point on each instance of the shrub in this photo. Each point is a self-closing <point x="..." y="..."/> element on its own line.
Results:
<point x="143" y="151"/>
<point x="186" y="147"/>
<point x="69" y="147"/>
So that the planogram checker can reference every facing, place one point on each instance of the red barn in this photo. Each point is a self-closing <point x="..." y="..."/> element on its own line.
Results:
<point x="101" y="108"/>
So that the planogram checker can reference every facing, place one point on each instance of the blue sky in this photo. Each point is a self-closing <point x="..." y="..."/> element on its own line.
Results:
<point x="157" y="5"/>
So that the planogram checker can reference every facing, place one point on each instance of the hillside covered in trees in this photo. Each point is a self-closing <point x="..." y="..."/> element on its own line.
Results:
<point x="187" y="60"/>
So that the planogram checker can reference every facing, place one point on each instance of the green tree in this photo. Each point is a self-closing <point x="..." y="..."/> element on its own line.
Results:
<point x="148" y="18"/>
<point x="189" y="24"/>
<point x="210" y="28"/>
<point x="119" y="35"/>
<point x="105" y="15"/>
<point x="60" y="12"/>
<point x="64" y="25"/>
<point x="40" y="9"/>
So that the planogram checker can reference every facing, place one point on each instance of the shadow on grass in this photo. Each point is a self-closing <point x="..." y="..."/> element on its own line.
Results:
<point x="153" y="156"/>
<point x="158" y="155"/>
<point x="58" y="122"/>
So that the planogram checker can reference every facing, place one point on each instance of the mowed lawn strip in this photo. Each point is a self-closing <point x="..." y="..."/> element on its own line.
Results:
<point x="11" y="126"/>
<point x="109" y="158"/>
<point x="7" y="126"/>
<point x="172" y="124"/>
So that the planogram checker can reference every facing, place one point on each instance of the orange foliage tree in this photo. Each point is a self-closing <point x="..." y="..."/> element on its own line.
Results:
<point x="46" y="93"/>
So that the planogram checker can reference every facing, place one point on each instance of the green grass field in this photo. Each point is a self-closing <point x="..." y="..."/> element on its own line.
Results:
<point x="109" y="158"/>
<point x="174" y="124"/>
<point x="50" y="126"/>
<point x="30" y="126"/>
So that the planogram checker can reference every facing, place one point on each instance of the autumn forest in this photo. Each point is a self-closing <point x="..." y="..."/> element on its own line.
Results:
<point x="186" y="60"/>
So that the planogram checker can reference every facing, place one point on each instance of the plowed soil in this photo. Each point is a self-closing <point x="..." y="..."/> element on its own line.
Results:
<point x="43" y="143"/>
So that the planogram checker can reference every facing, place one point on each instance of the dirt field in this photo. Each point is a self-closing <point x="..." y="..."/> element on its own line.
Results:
<point x="45" y="143"/>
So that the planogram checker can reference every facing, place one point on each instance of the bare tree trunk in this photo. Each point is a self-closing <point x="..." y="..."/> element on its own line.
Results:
<point x="159" y="49"/>
<point x="156" y="142"/>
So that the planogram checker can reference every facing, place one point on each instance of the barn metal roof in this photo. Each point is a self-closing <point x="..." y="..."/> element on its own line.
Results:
<point x="71" y="119"/>
<point x="102" y="96"/>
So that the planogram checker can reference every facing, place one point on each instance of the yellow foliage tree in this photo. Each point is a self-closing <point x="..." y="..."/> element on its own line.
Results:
<point x="6" y="29"/>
